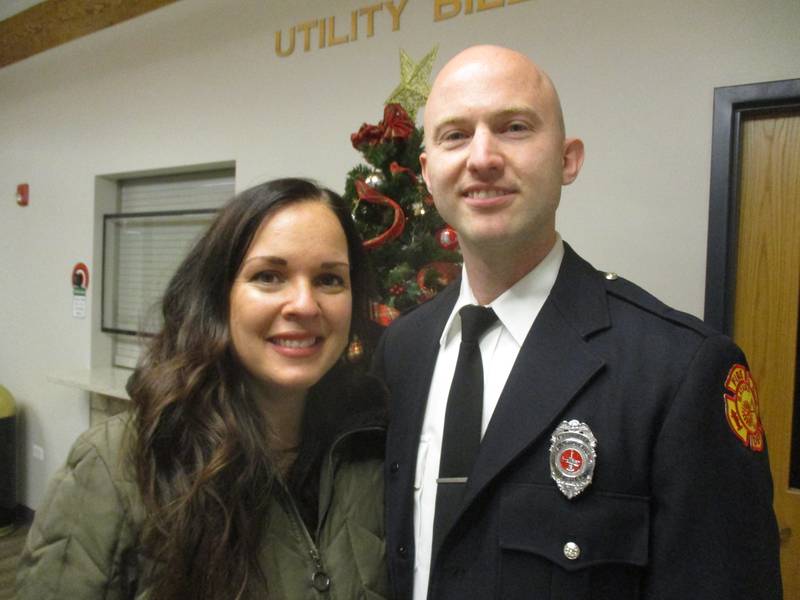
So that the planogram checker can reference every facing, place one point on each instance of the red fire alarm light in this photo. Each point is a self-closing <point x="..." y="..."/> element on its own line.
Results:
<point x="22" y="194"/>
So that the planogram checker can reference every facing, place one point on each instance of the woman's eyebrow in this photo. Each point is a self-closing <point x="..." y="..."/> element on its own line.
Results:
<point x="274" y="260"/>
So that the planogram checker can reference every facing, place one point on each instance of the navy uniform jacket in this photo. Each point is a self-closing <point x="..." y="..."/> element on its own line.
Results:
<point x="681" y="502"/>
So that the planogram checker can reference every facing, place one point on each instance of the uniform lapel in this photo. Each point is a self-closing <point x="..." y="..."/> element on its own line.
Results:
<point x="553" y="365"/>
<point x="418" y="361"/>
<point x="410" y="374"/>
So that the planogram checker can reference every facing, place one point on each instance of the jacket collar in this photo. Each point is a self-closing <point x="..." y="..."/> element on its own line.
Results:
<point x="553" y="365"/>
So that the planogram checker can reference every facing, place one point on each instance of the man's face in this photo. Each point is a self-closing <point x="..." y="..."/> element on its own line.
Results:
<point x="494" y="157"/>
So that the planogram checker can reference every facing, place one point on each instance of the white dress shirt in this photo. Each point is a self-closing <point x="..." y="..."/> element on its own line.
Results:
<point x="516" y="310"/>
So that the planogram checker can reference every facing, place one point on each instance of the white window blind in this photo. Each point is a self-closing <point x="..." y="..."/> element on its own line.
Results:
<point x="158" y="221"/>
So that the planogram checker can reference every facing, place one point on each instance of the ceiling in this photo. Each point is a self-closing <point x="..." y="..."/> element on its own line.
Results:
<point x="28" y="27"/>
<point x="12" y="7"/>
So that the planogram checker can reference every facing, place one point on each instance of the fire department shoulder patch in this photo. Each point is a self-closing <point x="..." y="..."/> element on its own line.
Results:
<point x="741" y="408"/>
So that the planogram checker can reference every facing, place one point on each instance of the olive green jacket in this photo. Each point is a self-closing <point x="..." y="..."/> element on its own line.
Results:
<point x="83" y="542"/>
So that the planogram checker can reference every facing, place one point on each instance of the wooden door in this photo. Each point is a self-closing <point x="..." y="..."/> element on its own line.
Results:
<point x="766" y="308"/>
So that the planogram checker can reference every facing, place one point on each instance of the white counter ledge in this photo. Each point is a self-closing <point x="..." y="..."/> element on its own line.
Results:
<point x="108" y="381"/>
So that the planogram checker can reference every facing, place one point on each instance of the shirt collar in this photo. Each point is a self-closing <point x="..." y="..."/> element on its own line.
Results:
<point x="513" y="307"/>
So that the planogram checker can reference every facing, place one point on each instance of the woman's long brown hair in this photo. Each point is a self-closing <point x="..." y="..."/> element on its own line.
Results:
<point x="200" y="454"/>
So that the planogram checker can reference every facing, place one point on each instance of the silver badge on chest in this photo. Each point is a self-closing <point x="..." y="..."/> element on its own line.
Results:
<point x="572" y="457"/>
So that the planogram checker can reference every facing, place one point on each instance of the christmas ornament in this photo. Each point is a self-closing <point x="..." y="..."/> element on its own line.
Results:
<point x="375" y="179"/>
<point x="442" y="273"/>
<point x="447" y="238"/>
<point x="414" y="86"/>
<point x="355" y="350"/>
<point x="383" y="314"/>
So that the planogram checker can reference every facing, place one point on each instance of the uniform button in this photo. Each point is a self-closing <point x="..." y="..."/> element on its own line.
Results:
<point x="611" y="276"/>
<point x="321" y="581"/>
<point x="394" y="467"/>
<point x="402" y="550"/>
<point x="572" y="550"/>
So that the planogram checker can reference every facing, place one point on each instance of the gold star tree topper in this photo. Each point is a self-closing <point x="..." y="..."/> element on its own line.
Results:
<point x="415" y="85"/>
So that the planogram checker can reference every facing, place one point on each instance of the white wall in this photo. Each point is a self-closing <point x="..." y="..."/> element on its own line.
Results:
<point x="198" y="82"/>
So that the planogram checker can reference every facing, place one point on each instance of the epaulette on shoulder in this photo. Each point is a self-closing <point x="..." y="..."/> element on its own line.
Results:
<point x="629" y="292"/>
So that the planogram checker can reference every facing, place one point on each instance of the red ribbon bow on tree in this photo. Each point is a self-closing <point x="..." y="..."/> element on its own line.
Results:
<point x="396" y="125"/>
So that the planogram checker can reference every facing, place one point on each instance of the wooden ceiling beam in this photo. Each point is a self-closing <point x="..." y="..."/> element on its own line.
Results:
<point x="55" y="22"/>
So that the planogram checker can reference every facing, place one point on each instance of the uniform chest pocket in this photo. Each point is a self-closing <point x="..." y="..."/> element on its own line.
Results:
<point x="593" y="547"/>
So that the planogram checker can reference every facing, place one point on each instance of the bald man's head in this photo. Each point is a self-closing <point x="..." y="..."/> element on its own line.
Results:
<point x="496" y="155"/>
<point x="487" y="62"/>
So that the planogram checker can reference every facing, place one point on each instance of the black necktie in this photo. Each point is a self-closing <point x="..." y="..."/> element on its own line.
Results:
<point x="462" y="422"/>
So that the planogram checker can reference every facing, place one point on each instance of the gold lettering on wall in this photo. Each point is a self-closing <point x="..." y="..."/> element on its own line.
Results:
<point x="369" y="12"/>
<point x="306" y="29"/>
<point x="487" y="4"/>
<point x="354" y="26"/>
<point x="328" y="35"/>
<point x="332" y="39"/>
<point x="279" y="43"/>
<point x="447" y="9"/>
<point x="364" y="18"/>
<point x="396" y="11"/>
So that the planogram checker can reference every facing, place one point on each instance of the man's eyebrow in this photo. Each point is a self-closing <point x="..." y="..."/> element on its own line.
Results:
<point x="444" y="123"/>
<point x="513" y="111"/>
<point x="498" y="115"/>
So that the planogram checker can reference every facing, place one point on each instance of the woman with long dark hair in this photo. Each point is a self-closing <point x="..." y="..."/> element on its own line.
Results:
<point x="251" y="466"/>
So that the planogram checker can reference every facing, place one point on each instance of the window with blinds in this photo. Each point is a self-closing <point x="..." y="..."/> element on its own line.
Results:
<point x="158" y="221"/>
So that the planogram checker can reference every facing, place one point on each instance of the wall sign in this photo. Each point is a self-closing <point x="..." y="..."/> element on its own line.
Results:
<point x="447" y="9"/>
<point x="324" y="32"/>
<point x="23" y="194"/>
<point x="324" y="29"/>
<point x="80" y="283"/>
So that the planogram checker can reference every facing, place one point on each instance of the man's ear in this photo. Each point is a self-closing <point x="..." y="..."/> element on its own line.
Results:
<point x="423" y="163"/>
<point x="573" y="160"/>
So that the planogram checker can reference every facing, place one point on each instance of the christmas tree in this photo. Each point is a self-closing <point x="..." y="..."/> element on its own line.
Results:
<point x="414" y="253"/>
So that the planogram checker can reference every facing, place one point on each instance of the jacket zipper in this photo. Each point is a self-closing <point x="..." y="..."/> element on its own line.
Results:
<point x="320" y="580"/>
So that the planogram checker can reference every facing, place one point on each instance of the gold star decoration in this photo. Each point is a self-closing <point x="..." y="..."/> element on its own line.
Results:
<point x="415" y="85"/>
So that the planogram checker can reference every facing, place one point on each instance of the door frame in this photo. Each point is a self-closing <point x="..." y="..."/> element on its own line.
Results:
<point x="731" y="105"/>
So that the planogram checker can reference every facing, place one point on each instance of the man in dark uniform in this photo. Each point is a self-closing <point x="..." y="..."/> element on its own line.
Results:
<point x="620" y="450"/>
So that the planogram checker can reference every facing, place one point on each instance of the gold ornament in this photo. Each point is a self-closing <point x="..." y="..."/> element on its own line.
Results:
<point x="355" y="350"/>
<point x="415" y="85"/>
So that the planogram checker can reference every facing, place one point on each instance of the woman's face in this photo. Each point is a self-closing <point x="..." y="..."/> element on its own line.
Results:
<point x="291" y="302"/>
